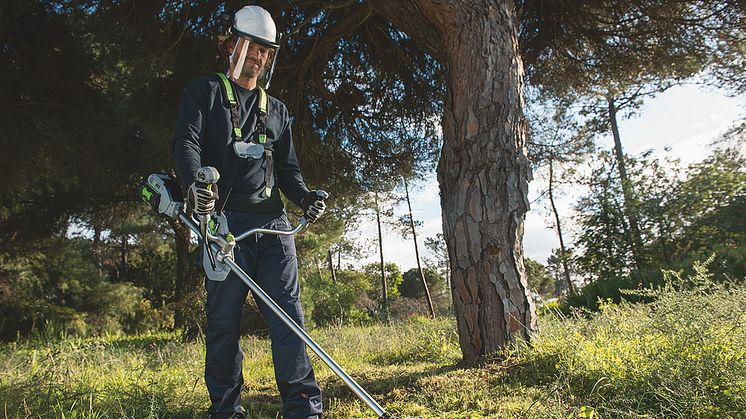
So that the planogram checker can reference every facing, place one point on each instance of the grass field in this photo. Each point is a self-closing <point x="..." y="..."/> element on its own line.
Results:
<point x="684" y="356"/>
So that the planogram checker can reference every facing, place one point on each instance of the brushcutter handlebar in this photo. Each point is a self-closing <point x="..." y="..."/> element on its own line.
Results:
<point x="301" y="225"/>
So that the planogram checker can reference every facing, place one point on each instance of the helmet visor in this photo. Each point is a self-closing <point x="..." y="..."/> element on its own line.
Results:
<point x="251" y="60"/>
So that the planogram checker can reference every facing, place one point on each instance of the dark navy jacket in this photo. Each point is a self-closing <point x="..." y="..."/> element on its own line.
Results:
<point x="203" y="138"/>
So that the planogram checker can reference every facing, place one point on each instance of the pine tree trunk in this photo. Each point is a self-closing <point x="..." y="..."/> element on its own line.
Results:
<point x="417" y="253"/>
<point x="123" y="251"/>
<point x="483" y="174"/>
<point x="483" y="171"/>
<point x="188" y="311"/>
<point x="384" y="286"/>
<point x="331" y="266"/>
<point x="98" y="246"/>
<point x="563" y="255"/>
<point x="629" y="211"/>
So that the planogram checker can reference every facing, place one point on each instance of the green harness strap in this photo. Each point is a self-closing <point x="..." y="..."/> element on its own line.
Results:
<point x="261" y="128"/>
<point x="233" y="103"/>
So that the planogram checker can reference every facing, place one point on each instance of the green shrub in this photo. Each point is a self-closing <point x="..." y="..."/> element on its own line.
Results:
<point x="411" y="285"/>
<point x="345" y="301"/>
<point x="725" y="263"/>
<point x="393" y="275"/>
<point x="603" y="289"/>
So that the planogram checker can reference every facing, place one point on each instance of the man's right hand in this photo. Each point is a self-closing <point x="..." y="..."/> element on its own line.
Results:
<point x="200" y="199"/>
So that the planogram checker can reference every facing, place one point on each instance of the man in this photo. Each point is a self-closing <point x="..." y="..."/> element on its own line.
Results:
<point x="227" y="121"/>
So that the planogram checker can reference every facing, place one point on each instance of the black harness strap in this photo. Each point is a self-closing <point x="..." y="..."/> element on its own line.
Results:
<point x="269" y="176"/>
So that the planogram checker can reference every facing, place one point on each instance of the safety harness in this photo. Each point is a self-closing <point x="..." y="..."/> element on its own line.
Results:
<point x="261" y="129"/>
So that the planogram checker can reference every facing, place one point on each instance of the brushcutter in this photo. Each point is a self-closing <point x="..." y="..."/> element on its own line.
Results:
<point x="162" y="193"/>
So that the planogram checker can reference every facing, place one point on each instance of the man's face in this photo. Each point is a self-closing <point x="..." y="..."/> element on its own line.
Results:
<point x="257" y="57"/>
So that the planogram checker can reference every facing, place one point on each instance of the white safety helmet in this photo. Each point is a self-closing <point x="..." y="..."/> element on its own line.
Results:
<point x="253" y="24"/>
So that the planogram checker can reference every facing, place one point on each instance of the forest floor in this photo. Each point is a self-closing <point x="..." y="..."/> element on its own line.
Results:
<point x="682" y="356"/>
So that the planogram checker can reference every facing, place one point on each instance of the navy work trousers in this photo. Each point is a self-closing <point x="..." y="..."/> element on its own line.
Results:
<point x="271" y="261"/>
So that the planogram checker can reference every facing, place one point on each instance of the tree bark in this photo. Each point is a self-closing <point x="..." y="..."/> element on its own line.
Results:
<point x="188" y="313"/>
<point x="331" y="266"/>
<point x="483" y="171"/>
<point x="183" y="259"/>
<point x="417" y="253"/>
<point x="123" y="263"/>
<point x="98" y="246"/>
<point x="563" y="255"/>
<point x="629" y="211"/>
<point x="384" y="286"/>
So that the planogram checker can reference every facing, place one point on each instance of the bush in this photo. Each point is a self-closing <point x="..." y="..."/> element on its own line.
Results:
<point x="345" y="301"/>
<point x="604" y="289"/>
<point x="60" y="291"/>
<point x="725" y="263"/>
<point x="411" y="285"/>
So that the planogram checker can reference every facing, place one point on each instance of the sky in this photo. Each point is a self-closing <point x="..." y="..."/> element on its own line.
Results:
<point x="684" y="118"/>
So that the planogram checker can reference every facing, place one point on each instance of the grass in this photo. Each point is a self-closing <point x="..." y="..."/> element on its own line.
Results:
<point x="683" y="356"/>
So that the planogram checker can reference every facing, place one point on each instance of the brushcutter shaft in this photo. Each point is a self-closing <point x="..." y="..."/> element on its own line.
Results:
<point x="299" y="331"/>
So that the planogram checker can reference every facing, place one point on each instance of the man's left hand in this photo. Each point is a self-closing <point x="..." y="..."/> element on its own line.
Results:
<point x="314" y="205"/>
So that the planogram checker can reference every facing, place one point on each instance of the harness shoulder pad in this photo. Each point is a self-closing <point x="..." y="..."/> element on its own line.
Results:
<point x="228" y="90"/>
<point x="262" y="101"/>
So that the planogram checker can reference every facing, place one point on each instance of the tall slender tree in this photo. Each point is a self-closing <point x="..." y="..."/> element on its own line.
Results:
<point x="557" y="142"/>
<point x="384" y="285"/>
<point x="413" y="231"/>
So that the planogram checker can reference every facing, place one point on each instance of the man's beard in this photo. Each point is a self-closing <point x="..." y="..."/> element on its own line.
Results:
<point x="252" y="69"/>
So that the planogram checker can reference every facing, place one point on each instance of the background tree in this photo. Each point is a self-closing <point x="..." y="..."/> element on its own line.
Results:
<point x="440" y="263"/>
<point x="604" y="237"/>
<point x="610" y="56"/>
<point x="393" y="276"/>
<point x="539" y="278"/>
<point x="654" y="183"/>
<point x="710" y="203"/>
<point x="556" y="267"/>
<point x="382" y="210"/>
<point x="556" y="141"/>
<point x="408" y="226"/>
<point x="684" y="216"/>
<point x="411" y="286"/>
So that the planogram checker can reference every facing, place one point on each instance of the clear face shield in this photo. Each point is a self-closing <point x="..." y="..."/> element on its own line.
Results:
<point x="252" y="59"/>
